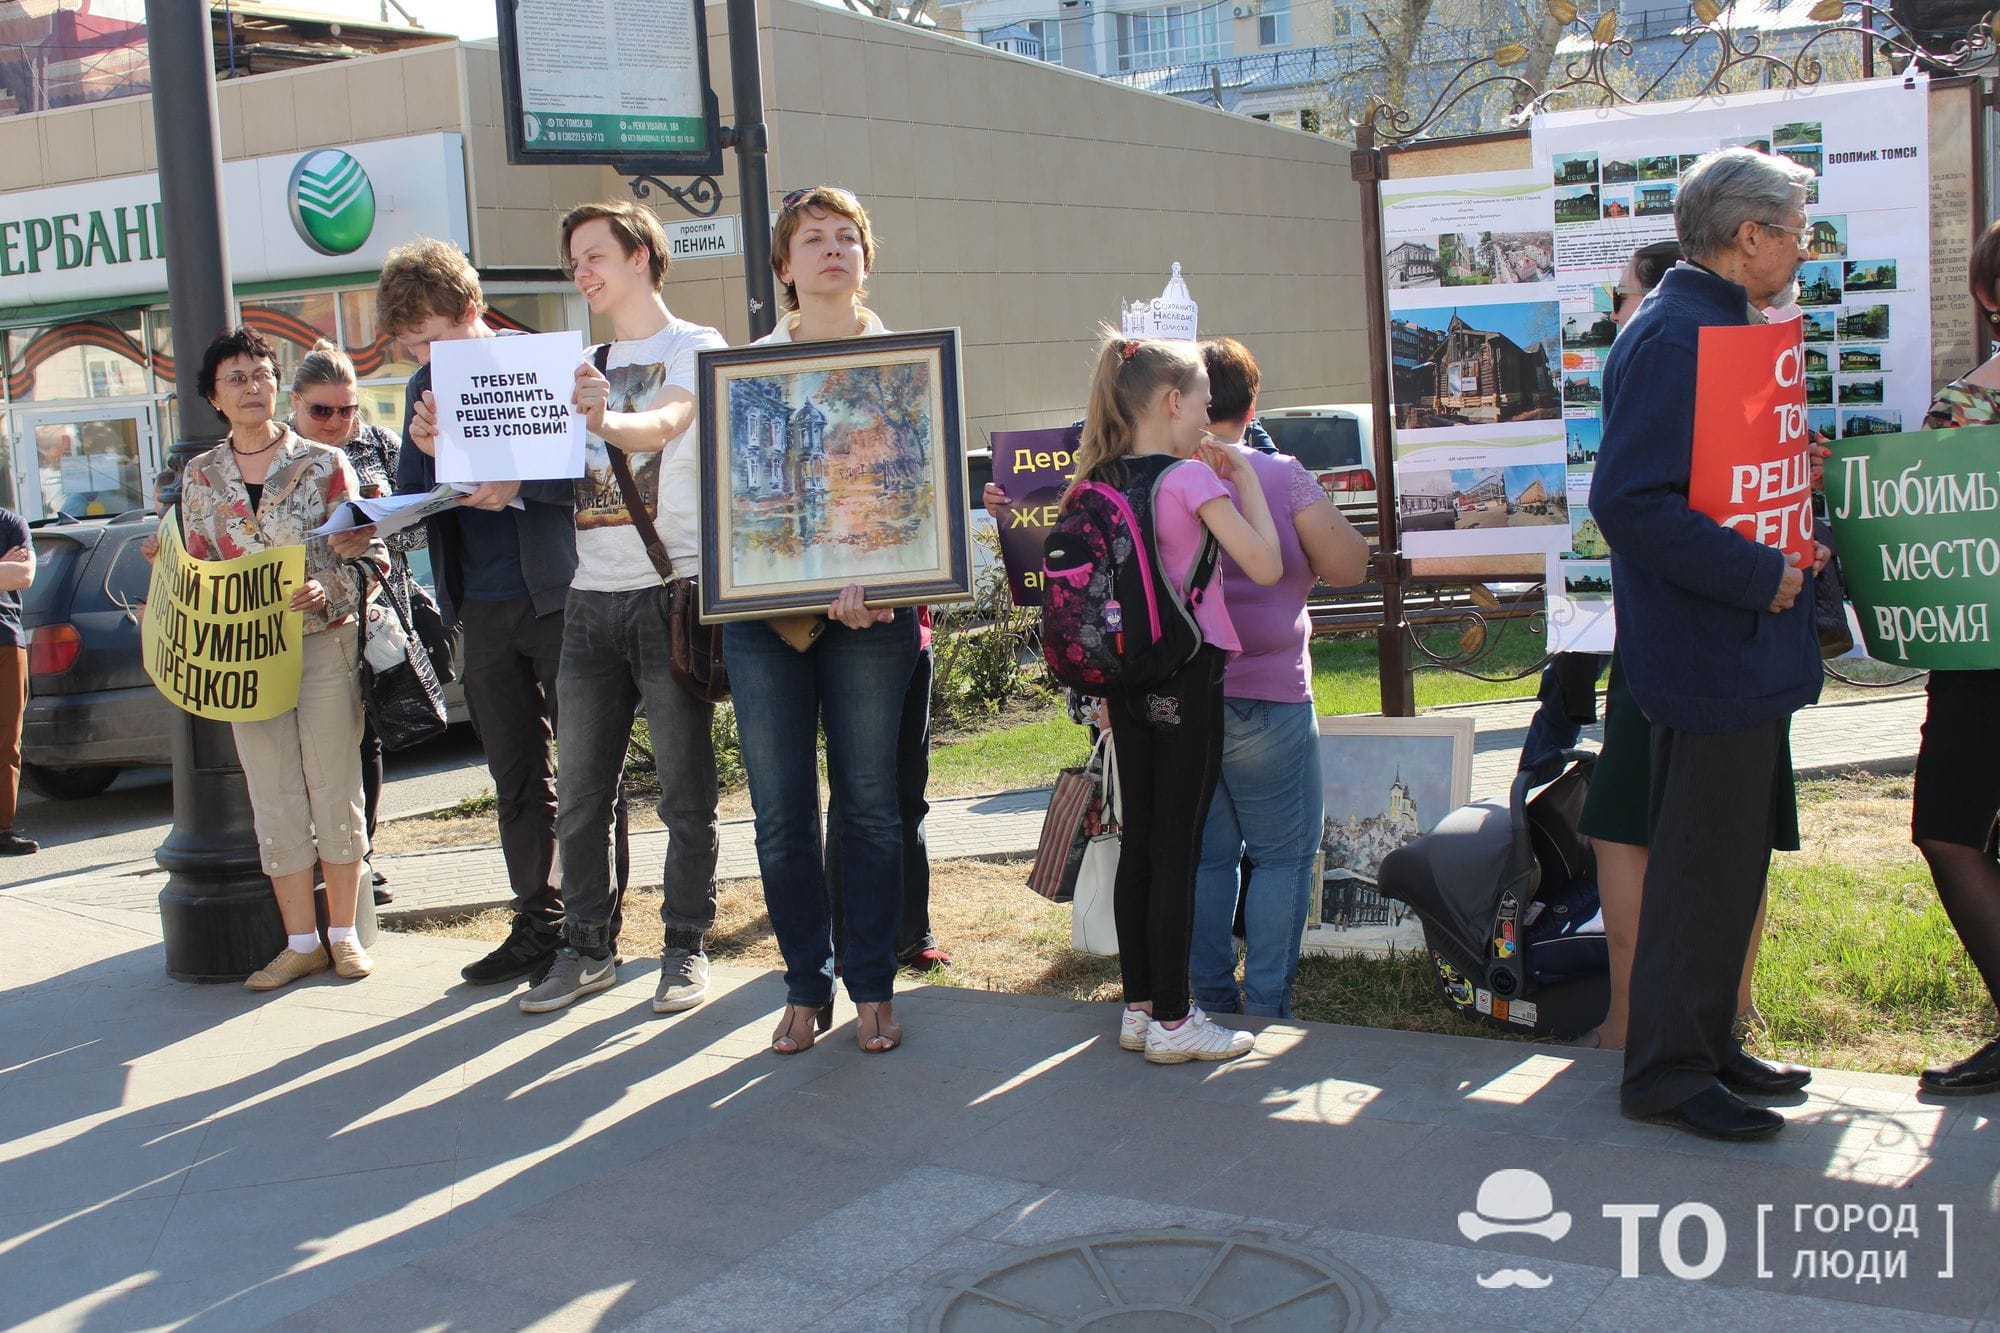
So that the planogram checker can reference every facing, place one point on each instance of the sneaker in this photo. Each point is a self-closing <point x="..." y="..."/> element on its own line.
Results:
<point x="683" y="980"/>
<point x="13" y="844"/>
<point x="1132" y="1029"/>
<point x="288" y="967"/>
<point x="521" y="954"/>
<point x="350" y="960"/>
<point x="1196" y="1039"/>
<point x="571" y="977"/>
<point x="923" y="960"/>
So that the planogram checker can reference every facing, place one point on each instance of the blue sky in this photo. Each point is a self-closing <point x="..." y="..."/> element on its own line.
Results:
<point x="1526" y="322"/>
<point x="1357" y="770"/>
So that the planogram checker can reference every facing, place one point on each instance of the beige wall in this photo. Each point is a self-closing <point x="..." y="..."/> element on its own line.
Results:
<point x="1017" y="200"/>
<point x="1022" y="202"/>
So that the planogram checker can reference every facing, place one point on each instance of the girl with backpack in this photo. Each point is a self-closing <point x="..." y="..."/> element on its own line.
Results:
<point x="1144" y="455"/>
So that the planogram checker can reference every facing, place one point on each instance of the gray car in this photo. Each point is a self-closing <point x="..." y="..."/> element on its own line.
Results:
<point x="92" y="710"/>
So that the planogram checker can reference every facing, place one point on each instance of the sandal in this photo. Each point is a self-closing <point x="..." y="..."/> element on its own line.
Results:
<point x="801" y="1017"/>
<point x="876" y="1030"/>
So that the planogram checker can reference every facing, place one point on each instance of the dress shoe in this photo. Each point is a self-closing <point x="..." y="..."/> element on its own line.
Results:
<point x="1718" y="1113"/>
<point x="1976" y="1073"/>
<point x="1744" y="1073"/>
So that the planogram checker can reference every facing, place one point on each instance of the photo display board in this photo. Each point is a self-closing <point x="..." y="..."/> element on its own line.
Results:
<point x="1502" y="259"/>
<point x="623" y="82"/>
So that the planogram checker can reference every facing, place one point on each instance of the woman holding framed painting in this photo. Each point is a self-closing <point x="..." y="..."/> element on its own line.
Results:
<point x="852" y="680"/>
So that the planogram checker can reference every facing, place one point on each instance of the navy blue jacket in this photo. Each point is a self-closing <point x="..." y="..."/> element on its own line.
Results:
<point x="545" y="524"/>
<point x="1701" y="650"/>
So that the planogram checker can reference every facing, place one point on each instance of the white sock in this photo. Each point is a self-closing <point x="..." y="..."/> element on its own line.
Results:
<point x="335" y="934"/>
<point x="305" y="943"/>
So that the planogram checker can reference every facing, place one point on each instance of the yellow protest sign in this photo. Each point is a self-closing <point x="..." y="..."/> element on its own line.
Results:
<point x="218" y="638"/>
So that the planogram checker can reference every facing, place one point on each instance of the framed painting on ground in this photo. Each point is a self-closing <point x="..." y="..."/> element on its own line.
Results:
<point x="1386" y="781"/>
<point x="826" y="464"/>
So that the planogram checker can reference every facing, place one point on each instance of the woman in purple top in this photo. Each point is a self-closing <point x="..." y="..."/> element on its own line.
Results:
<point x="1267" y="802"/>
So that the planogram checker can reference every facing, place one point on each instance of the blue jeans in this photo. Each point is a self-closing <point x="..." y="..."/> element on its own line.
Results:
<point x="1267" y="805"/>
<point x="913" y="775"/>
<point x="852" y="683"/>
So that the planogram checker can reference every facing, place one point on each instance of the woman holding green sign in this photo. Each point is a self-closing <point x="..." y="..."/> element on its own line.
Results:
<point x="1958" y="781"/>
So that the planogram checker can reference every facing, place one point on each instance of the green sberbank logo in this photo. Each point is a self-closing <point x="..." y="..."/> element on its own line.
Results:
<point x="333" y="203"/>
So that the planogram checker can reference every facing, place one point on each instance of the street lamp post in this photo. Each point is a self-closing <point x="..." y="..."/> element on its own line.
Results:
<point x="218" y="919"/>
<point x="751" y="140"/>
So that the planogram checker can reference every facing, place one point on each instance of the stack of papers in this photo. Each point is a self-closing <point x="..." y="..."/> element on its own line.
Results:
<point x="393" y="513"/>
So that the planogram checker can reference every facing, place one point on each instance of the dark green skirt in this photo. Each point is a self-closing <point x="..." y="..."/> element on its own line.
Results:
<point x="1615" y="810"/>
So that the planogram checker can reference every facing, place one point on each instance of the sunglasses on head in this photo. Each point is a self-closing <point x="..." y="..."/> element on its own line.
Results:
<point x="796" y="197"/>
<point x="324" y="412"/>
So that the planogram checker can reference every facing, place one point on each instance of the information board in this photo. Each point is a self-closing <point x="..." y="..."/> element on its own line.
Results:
<point x="623" y="82"/>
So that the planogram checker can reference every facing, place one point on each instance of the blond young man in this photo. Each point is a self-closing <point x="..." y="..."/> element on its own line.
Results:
<point x="502" y="575"/>
<point x="615" y="649"/>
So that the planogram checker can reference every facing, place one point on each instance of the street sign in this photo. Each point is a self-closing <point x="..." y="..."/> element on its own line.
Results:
<point x="704" y="238"/>
<point x="632" y="92"/>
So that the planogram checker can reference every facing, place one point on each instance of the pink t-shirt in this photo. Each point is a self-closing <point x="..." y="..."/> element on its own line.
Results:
<point x="1185" y="489"/>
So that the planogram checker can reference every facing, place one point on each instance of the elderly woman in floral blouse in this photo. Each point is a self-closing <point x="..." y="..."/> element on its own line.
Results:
<point x="263" y="488"/>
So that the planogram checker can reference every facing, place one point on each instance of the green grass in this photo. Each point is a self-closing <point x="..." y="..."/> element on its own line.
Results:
<point x="479" y="803"/>
<point x="1858" y="967"/>
<point x="1346" y="678"/>
<point x="1028" y="753"/>
<point x="1024" y="755"/>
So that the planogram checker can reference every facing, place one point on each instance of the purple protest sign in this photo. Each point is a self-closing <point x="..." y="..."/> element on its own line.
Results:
<point x="1033" y="467"/>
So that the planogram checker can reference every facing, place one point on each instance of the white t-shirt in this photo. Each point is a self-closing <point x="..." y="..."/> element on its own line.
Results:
<point x="610" y="557"/>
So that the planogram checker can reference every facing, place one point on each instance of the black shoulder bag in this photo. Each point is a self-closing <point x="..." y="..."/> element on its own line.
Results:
<point x="694" y="654"/>
<point x="404" y="701"/>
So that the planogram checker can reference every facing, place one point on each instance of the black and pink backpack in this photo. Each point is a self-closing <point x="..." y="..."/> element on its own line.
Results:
<point x="1111" y="623"/>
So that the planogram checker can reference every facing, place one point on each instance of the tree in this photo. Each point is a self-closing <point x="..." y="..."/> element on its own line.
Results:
<point x="916" y="13"/>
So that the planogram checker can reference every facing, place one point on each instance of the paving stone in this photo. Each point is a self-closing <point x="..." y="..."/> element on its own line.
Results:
<point x="1427" y="1278"/>
<point x="416" y="1143"/>
<point x="71" y="1258"/>
<point x="1664" y="1302"/>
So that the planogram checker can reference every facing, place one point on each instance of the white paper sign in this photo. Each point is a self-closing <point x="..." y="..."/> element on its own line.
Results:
<point x="503" y="408"/>
<point x="1173" y="313"/>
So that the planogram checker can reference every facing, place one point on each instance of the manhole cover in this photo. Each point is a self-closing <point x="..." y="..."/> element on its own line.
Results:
<point x="1157" y="1282"/>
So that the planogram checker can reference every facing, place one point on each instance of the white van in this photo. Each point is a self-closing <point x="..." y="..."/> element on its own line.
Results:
<point x="1335" y="441"/>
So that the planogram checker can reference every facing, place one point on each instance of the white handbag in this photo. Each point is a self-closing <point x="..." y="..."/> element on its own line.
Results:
<point x="1093" y="924"/>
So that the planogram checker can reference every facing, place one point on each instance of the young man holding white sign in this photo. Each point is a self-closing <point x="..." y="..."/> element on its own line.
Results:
<point x="615" y="648"/>
<point x="502" y="574"/>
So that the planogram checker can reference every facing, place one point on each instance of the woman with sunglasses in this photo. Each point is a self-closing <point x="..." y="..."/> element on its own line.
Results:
<point x="326" y="409"/>
<point x="854" y="680"/>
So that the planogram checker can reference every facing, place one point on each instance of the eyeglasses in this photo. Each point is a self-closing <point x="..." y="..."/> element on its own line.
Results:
<point x="797" y="197"/>
<point x="1802" y="235"/>
<point x="326" y="411"/>
<point x="236" y="379"/>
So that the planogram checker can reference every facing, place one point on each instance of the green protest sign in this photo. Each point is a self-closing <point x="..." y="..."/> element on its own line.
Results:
<point x="1917" y="521"/>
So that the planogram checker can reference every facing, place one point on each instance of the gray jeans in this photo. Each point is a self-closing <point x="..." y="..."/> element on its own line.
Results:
<point x="614" y="658"/>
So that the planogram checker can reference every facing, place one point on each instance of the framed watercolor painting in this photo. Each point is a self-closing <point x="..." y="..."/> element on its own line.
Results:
<point x="1386" y="781"/>
<point x="831" y="463"/>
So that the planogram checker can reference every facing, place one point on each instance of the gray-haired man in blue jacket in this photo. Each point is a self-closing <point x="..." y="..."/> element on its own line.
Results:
<point x="1716" y="633"/>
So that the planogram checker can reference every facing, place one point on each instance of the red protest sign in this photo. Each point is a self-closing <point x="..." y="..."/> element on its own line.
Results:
<point x="1751" y="469"/>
